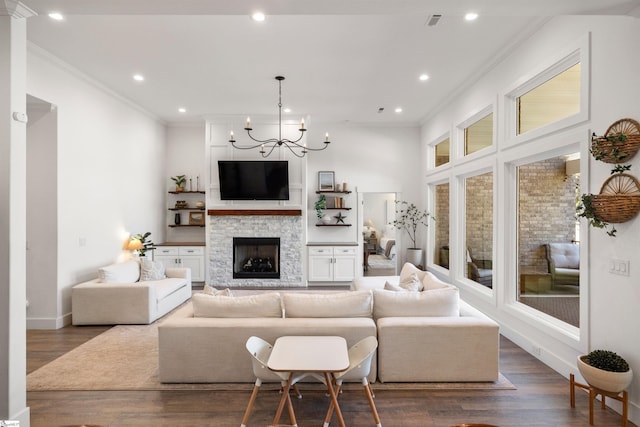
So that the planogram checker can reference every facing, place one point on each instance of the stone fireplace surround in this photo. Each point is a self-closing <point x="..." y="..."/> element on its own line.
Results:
<point x="225" y="224"/>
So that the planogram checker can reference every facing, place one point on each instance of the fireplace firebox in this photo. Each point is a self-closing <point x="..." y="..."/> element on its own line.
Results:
<point x="256" y="257"/>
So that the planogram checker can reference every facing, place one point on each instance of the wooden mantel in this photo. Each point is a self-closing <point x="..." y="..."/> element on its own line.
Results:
<point x="254" y="212"/>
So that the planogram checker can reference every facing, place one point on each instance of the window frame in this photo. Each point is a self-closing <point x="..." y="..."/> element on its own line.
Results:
<point x="467" y="122"/>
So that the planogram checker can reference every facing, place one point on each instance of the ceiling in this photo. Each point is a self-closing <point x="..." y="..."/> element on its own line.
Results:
<point x="343" y="60"/>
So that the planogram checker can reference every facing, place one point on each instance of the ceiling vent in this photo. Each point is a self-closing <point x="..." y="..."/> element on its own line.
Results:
<point x="432" y="20"/>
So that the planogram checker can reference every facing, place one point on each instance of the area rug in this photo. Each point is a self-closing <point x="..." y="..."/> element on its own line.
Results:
<point x="563" y="307"/>
<point x="380" y="261"/>
<point x="126" y="358"/>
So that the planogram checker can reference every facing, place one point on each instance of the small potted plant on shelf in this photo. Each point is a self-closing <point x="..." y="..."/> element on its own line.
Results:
<point x="320" y="206"/>
<point x="605" y="370"/>
<point x="409" y="218"/>
<point x="179" y="180"/>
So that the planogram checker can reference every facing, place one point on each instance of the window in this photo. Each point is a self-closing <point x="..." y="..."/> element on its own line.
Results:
<point x="548" y="251"/>
<point x="443" y="152"/>
<point x="479" y="229"/>
<point x="555" y="99"/>
<point x="441" y="212"/>
<point x="479" y="135"/>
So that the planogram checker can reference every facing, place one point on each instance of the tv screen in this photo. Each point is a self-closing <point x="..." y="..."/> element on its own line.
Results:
<point x="253" y="180"/>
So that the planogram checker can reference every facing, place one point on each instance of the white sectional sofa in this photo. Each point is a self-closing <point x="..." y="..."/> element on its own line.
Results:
<point x="131" y="292"/>
<point x="428" y="336"/>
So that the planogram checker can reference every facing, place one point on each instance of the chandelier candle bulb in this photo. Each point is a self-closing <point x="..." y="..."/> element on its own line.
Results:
<point x="248" y="124"/>
<point x="326" y="137"/>
<point x="302" y="124"/>
<point x="231" y="136"/>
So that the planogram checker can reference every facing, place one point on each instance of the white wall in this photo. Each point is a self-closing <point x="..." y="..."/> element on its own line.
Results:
<point x="111" y="172"/>
<point x="609" y="302"/>
<point x="370" y="159"/>
<point x="185" y="155"/>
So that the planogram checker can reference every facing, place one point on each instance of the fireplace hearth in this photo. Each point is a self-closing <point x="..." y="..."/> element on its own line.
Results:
<point x="256" y="257"/>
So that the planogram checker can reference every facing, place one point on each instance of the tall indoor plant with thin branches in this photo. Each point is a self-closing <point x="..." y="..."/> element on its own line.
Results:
<point x="410" y="219"/>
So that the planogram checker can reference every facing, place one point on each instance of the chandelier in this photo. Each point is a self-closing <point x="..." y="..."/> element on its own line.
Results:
<point x="297" y="149"/>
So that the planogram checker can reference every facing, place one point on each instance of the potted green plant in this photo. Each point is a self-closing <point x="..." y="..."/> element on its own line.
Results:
<point x="585" y="209"/>
<point x="409" y="218"/>
<point x="320" y="206"/>
<point x="606" y="370"/>
<point x="619" y="144"/>
<point x="179" y="180"/>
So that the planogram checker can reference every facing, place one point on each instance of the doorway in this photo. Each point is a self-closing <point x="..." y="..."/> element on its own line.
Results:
<point x="379" y="237"/>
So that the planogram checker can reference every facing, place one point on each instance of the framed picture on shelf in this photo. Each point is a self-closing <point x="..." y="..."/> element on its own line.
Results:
<point x="326" y="181"/>
<point x="196" y="218"/>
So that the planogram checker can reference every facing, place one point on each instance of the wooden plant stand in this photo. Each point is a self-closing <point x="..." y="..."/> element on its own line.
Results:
<point x="594" y="392"/>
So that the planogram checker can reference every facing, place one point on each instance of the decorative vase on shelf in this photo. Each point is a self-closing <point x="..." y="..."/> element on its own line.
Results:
<point x="414" y="256"/>
<point x="326" y="219"/>
<point x="176" y="219"/>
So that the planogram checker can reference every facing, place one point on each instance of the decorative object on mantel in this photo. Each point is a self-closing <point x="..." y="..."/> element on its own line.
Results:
<point x="200" y="204"/>
<point x="297" y="149"/>
<point x="618" y="201"/>
<point x="179" y="181"/>
<point x="339" y="218"/>
<point x="181" y="204"/>
<point x="619" y="144"/>
<point x="177" y="219"/>
<point x="409" y="218"/>
<point x="607" y="374"/>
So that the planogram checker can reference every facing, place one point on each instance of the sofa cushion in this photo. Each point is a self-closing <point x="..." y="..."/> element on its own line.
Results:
<point x="335" y="304"/>
<point x="167" y="287"/>
<point x="443" y="302"/>
<point x="151" y="270"/>
<point x="408" y="269"/>
<point x="395" y="288"/>
<point x="263" y="305"/>
<point x="122" y="272"/>
<point x="210" y="290"/>
<point x="565" y="255"/>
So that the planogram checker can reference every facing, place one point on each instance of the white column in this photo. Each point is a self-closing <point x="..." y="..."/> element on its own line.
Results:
<point x="13" y="65"/>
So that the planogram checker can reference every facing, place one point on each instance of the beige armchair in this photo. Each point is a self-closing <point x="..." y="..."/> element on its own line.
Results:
<point x="563" y="260"/>
<point x="479" y="270"/>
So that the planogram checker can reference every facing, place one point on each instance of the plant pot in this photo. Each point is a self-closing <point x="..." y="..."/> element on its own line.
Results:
<point x="179" y="189"/>
<point x="613" y="382"/>
<point x="610" y="149"/>
<point x="414" y="256"/>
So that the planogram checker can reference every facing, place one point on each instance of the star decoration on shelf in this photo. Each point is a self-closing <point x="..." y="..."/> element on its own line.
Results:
<point x="340" y="218"/>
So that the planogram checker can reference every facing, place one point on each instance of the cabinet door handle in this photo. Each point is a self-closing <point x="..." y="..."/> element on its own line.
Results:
<point x="191" y="251"/>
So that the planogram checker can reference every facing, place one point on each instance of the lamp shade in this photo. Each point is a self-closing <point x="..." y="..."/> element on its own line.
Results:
<point x="134" y="244"/>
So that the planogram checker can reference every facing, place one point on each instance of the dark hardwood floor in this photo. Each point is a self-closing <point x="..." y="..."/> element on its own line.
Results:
<point x="541" y="399"/>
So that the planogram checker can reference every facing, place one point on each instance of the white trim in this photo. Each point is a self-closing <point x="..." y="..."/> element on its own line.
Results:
<point x="578" y="52"/>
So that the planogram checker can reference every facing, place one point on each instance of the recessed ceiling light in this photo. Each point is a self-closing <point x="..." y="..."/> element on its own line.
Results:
<point x="424" y="77"/>
<point x="471" y="16"/>
<point x="138" y="77"/>
<point x="56" y="16"/>
<point x="287" y="110"/>
<point x="182" y="110"/>
<point x="398" y="110"/>
<point x="258" y="16"/>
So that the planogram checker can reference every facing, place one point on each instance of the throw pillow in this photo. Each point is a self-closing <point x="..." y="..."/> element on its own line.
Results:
<point x="122" y="272"/>
<point x="261" y="305"/>
<point x="210" y="290"/>
<point x="151" y="270"/>
<point x="411" y="283"/>
<point x="335" y="304"/>
<point x="430" y="281"/>
<point x="408" y="269"/>
<point x="391" y="287"/>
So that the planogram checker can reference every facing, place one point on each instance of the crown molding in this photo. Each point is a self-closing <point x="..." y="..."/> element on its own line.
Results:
<point x="15" y="9"/>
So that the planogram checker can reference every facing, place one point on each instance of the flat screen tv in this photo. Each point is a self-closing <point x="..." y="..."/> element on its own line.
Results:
<point x="253" y="179"/>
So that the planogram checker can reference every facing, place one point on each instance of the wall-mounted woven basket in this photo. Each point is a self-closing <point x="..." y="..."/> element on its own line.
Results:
<point x="619" y="199"/>
<point x="610" y="149"/>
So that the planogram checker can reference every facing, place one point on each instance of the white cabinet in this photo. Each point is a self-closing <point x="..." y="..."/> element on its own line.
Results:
<point x="183" y="256"/>
<point x="332" y="263"/>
